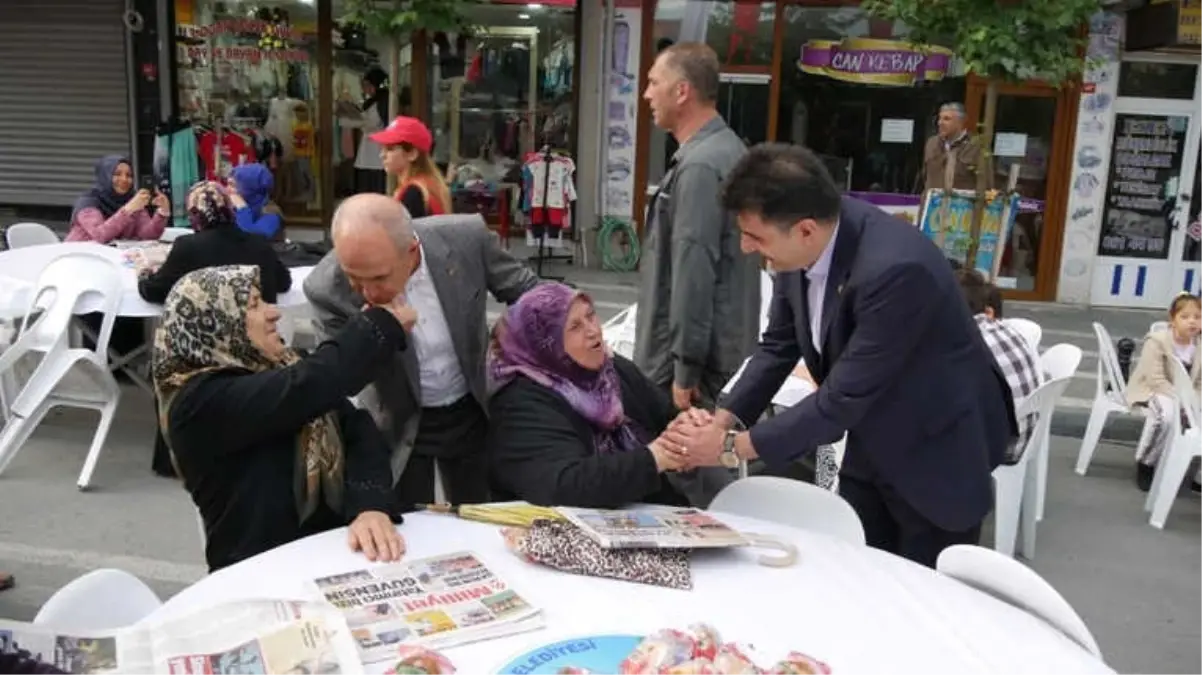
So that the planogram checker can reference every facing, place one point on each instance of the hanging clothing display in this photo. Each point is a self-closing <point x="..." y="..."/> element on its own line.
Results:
<point x="219" y="156"/>
<point x="547" y="188"/>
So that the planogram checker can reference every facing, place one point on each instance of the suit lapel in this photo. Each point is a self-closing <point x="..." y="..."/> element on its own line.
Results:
<point x="846" y="244"/>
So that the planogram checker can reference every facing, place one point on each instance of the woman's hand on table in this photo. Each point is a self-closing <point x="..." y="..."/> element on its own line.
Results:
<point x="373" y="533"/>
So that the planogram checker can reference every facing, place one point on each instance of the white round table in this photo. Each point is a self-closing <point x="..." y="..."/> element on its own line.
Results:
<point x="858" y="609"/>
<point x="20" y="268"/>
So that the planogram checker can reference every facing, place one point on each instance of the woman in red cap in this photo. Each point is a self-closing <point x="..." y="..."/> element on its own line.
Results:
<point x="405" y="152"/>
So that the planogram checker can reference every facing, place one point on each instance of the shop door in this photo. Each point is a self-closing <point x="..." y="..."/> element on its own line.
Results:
<point x="744" y="102"/>
<point x="1033" y="129"/>
<point x="1148" y="245"/>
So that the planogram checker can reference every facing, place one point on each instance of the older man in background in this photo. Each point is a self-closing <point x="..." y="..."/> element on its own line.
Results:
<point x="699" y="298"/>
<point x="431" y="404"/>
<point x="952" y="156"/>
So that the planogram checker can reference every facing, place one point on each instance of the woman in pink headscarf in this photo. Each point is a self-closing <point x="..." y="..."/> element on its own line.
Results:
<point x="572" y="424"/>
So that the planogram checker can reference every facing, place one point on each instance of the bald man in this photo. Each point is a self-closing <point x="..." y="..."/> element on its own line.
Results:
<point x="431" y="404"/>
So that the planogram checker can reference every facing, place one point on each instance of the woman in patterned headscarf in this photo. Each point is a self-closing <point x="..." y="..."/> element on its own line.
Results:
<point x="573" y="425"/>
<point x="267" y="442"/>
<point x="217" y="241"/>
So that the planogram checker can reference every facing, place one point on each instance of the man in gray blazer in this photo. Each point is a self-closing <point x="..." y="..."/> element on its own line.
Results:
<point x="431" y="405"/>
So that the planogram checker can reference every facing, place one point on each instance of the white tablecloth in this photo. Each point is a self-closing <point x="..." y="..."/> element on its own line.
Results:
<point x="858" y="609"/>
<point x="19" y="270"/>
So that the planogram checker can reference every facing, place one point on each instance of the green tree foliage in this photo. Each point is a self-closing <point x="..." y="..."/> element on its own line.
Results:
<point x="999" y="40"/>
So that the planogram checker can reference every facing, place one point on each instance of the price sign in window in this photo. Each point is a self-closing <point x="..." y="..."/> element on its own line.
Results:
<point x="1145" y="167"/>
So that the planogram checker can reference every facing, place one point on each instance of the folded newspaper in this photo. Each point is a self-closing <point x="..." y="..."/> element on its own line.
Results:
<point x="435" y="602"/>
<point x="245" y="637"/>
<point x="677" y="528"/>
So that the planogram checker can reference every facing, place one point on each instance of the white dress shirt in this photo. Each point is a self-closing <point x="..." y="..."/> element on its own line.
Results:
<point x="441" y="376"/>
<point x="817" y="275"/>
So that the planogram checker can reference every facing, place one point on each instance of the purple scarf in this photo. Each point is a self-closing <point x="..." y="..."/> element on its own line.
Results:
<point x="528" y="341"/>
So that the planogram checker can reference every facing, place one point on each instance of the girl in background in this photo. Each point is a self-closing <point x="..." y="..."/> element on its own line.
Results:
<point x="1151" y="385"/>
<point x="405" y="153"/>
<point x="250" y="193"/>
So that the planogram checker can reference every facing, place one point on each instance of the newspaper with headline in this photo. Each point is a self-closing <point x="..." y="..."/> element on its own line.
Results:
<point x="258" y="636"/>
<point x="436" y="602"/>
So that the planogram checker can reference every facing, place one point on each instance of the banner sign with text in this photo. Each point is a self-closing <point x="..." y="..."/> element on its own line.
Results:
<point x="891" y="63"/>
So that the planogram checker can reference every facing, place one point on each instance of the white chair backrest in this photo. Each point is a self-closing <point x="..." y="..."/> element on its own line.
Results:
<point x="1041" y="402"/>
<point x="791" y="502"/>
<point x="1061" y="360"/>
<point x="29" y="234"/>
<point x="60" y="286"/>
<point x="1187" y="397"/>
<point x="767" y="284"/>
<point x="1158" y="326"/>
<point x="1014" y="583"/>
<point x="619" y="332"/>
<point x="100" y="600"/>
<point x="1031" y="331"/>
<point x="1109" y="374"/>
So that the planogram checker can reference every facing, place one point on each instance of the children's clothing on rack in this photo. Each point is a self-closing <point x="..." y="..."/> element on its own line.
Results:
<point x="234" y="150"/>
<point x="548" y="189"/>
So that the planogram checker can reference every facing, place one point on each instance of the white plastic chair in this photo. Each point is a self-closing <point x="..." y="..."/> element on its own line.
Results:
<point x="65" y="376"/>
<point x="1015" y="584"/>
<point x="1059" y="361"/>
<point x="619" y="332"/>
<point x="1158" y="326"/>
<point x="1184" y="446"/>
<point x="1031" y="331"/>
<point x="793" y="503"/>
<point x="1016" y="486"/>
<point x="29" y="234"/>
<point x="101" y="600"/>
<point x="1109" y="397"/>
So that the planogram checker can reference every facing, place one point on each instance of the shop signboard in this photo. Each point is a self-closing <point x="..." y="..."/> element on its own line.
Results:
<point x="1144" y="170"/>
<point x="946" y="218"/>
<point x="893" y="63"/>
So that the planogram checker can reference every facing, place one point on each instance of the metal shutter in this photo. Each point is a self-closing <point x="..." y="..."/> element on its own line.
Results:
<point x="64" y="100"/>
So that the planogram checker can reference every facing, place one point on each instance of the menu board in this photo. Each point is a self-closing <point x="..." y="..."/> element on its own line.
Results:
<point x="1142" y="185"/>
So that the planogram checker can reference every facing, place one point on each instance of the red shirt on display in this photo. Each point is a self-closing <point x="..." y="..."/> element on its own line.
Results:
<point x="234" y="152"/>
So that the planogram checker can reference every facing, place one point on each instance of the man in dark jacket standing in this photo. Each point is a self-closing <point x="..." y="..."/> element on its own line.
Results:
<point x="699" y="298"/>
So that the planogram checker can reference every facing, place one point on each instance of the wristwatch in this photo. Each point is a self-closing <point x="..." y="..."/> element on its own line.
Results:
<point x="729" y="458"/>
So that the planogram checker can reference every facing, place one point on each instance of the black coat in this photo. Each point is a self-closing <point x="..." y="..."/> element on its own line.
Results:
<point x="214" y="248"/>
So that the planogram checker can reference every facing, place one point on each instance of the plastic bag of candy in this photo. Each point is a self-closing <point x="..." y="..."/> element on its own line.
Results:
<point x="419" y="660"/>
<point x="796" y="662"/>
<point x="674" y="651"/>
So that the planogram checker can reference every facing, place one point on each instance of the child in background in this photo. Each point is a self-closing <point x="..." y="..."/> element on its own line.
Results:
<point x="405" y="152"/>
<point x="1151" y="385"/>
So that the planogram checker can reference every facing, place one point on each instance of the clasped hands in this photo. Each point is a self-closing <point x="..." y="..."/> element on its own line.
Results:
<point x="692" y="440"/>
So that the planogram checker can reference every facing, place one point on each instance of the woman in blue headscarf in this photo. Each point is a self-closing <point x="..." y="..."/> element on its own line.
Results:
<point x="254" y="211"/>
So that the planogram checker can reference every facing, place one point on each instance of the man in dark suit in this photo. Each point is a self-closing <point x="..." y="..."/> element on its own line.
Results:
<point x="875" y="311"/>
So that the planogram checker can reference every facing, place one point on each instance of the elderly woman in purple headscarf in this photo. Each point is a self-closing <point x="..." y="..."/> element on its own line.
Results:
<point x="572" y="424"/>
<point x="250" y="193"/>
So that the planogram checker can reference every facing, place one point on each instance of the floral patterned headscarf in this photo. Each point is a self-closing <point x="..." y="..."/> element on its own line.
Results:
<point x="203" y="330"/>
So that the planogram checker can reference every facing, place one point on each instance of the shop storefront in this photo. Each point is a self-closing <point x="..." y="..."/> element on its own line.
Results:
<point x="825" y="74"/>
<point x="1133" y="233"/>
<point x="284" y="83"/>
<point x="64" y="97"/>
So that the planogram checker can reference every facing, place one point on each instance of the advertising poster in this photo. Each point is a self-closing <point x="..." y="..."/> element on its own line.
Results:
<point x="621" y="114"/>
<point x="947" y="220"/>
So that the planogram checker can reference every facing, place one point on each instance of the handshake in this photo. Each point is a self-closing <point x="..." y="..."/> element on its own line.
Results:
<point x="692" y="440"/>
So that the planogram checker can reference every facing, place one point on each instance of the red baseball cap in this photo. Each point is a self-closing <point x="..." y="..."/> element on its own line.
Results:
<point x="405" y="130"/>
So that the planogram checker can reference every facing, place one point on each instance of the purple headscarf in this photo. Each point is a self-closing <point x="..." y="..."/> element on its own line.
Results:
<point x="528" y="341"/>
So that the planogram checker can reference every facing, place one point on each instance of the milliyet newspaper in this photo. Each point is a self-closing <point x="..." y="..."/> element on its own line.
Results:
<point x="245" y="637"/>
<point x="441" y="601"/>
<point x="654" y="528"/>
